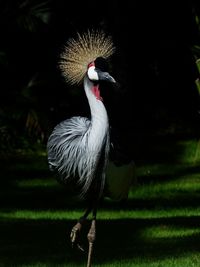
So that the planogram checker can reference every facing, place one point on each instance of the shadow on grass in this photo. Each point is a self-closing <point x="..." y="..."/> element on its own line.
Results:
<point x="27" y="241"/>
<point x="47" y="241"/>
<point x="169" y="172"/>
<point x="47" y="199"/>
<point x="13" y="197"/>
<point x="55" y="196"/>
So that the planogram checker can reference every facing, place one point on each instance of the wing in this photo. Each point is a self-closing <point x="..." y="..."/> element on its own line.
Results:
<point x="119" y="179"/>
<point x="71" y="158"/>
<point x="66" y="144"/>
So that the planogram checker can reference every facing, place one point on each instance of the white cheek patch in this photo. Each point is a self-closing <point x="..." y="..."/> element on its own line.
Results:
<point x="92" y="74"/>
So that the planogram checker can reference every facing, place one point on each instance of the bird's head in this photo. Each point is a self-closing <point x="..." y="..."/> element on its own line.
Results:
<point x="86" y="55"/>
<point x="98" y="71"/>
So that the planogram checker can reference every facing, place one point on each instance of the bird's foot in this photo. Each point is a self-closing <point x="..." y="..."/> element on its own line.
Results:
<point x="74" y="236"/>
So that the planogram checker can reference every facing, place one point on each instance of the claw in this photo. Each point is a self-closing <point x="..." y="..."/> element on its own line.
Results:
<point x="80" y="248"/>
<point x="74" y="236"/>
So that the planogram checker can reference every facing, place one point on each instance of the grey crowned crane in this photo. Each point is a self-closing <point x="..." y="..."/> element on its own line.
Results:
<point x="78" y="148"/>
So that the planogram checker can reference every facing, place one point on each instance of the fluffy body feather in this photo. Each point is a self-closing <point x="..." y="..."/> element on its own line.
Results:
<point x="78" y="147"/>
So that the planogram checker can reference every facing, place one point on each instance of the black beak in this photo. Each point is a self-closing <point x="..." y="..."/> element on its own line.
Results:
<point x="105" y="76"/>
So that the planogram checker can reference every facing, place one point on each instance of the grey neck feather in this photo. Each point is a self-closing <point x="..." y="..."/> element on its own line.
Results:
<point x="99" y="118"/>
<point x="98" y="135"/>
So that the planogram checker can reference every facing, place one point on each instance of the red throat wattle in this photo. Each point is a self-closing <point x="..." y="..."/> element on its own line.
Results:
<point x="96" y="92"/>
<point x="95" y="88"/>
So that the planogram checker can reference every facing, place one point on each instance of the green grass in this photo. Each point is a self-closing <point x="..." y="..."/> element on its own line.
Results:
<point x="157" y="227"/>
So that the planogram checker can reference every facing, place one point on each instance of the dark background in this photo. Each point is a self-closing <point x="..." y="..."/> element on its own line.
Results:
<point x="157" y="44"/>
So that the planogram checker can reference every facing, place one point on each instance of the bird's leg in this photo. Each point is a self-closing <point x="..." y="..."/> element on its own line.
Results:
<point x="91" y="238"/>
<point x="75" y="232"/>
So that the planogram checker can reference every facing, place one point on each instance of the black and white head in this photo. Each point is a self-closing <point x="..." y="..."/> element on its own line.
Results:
<point x="98" y="71"/>
<point x="87" y="55"/>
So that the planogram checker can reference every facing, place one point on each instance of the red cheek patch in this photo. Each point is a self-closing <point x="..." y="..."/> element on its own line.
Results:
<point x="91" y="64"/>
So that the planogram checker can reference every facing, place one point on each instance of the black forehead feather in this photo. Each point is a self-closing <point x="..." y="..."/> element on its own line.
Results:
<point x="101" y="63"/>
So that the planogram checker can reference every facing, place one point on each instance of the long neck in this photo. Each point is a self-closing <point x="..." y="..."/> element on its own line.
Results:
<point x="99" y="118"/>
